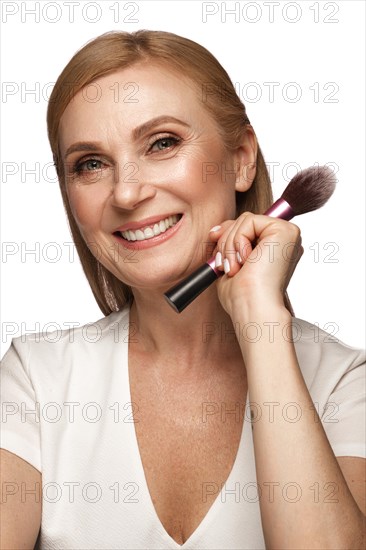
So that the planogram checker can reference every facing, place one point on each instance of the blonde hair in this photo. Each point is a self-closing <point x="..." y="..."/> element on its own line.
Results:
<point x="117" y="50"/>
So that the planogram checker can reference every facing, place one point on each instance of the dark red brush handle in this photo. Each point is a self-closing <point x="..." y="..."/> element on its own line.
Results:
<point x="181" y="295"/>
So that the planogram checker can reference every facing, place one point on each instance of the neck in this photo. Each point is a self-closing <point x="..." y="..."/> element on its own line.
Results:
<point x="202" y="334"/>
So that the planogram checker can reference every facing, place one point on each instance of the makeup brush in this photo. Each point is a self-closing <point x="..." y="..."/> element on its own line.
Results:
<point x="308" y="190"/>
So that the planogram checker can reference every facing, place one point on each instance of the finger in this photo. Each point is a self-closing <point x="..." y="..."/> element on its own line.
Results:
<point x="235" y="248"/>
<point x="236" y="243"/>
<point x="231" y="242"/>
<point x="215" y="232"/>
<point x="250" y="231"/>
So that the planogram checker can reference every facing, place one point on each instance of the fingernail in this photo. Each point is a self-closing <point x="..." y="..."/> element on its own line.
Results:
<point x="216" y="228"/>
<point x="239" y="258"/>
<point x="218" y="259"/>
<point x="226" y="265"/>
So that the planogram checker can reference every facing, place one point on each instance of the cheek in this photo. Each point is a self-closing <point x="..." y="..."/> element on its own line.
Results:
<point x="201" y="171"/>
<point x="86" y="205"/>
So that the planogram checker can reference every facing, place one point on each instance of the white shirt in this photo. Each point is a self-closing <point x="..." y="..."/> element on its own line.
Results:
<point x="66" y="409"/>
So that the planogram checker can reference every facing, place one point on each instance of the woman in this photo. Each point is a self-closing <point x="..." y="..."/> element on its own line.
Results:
<point x="141" y="435"/>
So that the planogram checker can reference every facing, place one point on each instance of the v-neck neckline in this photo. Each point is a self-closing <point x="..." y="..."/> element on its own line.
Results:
<point x="245" y="446"/>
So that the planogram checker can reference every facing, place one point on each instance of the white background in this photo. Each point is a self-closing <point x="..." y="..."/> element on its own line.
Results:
<point x="317" y="46"/>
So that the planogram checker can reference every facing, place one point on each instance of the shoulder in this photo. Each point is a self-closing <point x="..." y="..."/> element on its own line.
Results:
<point x="314" y="343"/>
<point x="324" y="359"/>
<point x="94" y="331"/>
<point x="53" y="349"/>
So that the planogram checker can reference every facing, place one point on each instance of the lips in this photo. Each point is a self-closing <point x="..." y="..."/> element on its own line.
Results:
<point x="146" y="232"/>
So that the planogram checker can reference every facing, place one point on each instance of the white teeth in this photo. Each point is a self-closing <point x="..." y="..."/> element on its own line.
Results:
<point x="162" y="226"/>
<point x="149" y="232"/>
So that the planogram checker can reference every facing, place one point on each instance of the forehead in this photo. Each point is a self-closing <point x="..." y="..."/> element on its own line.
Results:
<point x="128" y="98"/>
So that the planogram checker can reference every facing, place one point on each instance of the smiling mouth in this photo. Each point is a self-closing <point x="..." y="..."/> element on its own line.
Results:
<point x="151" y="230"/>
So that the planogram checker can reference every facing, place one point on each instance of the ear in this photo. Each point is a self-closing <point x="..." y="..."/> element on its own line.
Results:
<point x="246" y="160"/>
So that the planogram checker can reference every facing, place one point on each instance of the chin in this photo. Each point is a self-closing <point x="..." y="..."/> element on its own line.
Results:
<point x="153" y="277"/>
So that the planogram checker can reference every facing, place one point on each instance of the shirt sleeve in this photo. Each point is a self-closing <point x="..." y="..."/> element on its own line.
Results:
<point x="344" y="417"/>
<point x="20" y="419"/>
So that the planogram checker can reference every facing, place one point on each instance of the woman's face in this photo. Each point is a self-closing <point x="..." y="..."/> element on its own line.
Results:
<point x="147" y="174"/>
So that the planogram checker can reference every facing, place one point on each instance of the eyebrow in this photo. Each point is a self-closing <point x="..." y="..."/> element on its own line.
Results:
<point x="147" y="126"/>
<point x="81" y="146"/>
<point x="136" y="134"/>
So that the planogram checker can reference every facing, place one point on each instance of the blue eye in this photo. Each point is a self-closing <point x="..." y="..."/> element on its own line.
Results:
<point x="164" y="143"/>
<point x="89" y="165"/>
<point x="90" y="169"/>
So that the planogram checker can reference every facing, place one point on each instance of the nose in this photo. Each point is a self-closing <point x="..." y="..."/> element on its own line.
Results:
<point x="131" y="186"/>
